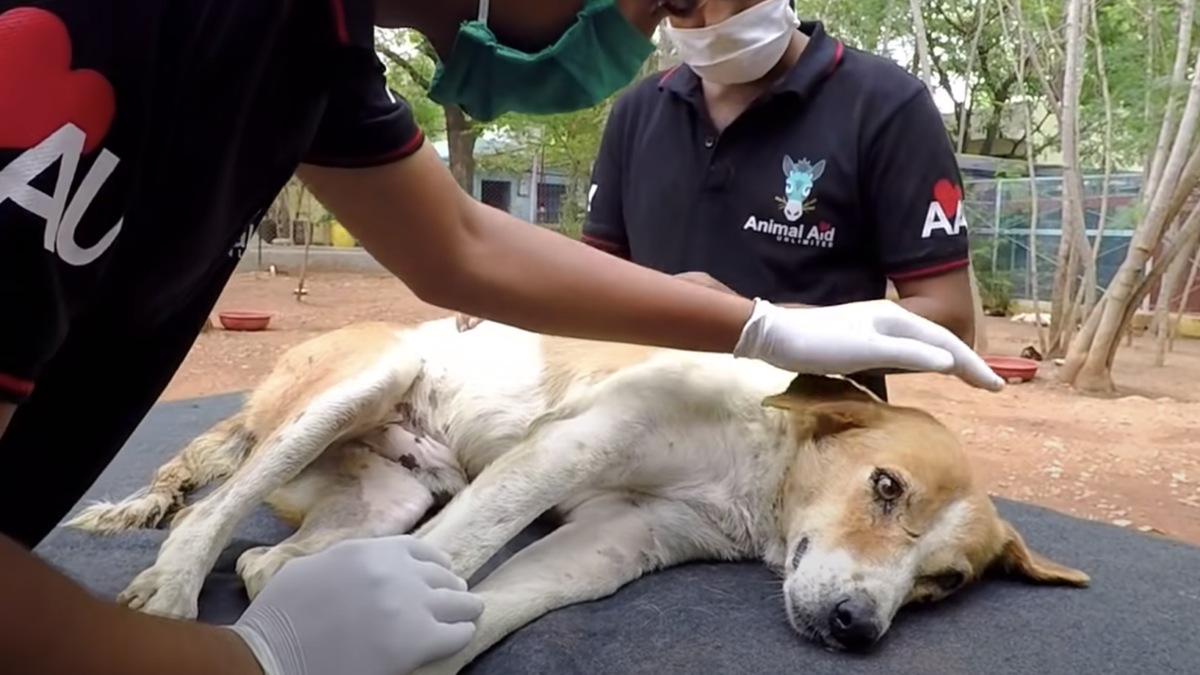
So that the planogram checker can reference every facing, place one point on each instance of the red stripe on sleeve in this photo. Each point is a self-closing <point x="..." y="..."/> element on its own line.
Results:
<point x="15" y="385"/>
<point x="932" y="270"/>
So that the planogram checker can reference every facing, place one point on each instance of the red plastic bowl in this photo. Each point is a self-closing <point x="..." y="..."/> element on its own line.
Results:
<point x="244" y="321"/>
<point x="1012" y="367"/>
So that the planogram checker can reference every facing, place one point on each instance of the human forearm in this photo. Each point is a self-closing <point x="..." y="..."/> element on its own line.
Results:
<point x="959" y="322"/>
<point x="552" y="284"/>
<point x="454" y="252"/>
<point x="50" y="626"/>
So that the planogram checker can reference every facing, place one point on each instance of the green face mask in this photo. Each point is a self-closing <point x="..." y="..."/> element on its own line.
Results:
<point x="600" y="53"/>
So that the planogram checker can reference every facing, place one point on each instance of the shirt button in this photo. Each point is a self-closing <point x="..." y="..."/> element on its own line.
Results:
<point x="709" y="142"/>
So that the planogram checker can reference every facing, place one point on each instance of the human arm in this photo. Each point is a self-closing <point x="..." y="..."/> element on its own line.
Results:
<point x="604" y="218"/>
<point x="371" y="167"/>
<point x="51" y="626"/>
<point x="460" y="254"/>
<point x="914" y="189"/>
<point x="466" y="256"/>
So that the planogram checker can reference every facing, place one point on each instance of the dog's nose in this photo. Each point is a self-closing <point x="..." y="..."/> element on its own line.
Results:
<point x="853" y="622"/>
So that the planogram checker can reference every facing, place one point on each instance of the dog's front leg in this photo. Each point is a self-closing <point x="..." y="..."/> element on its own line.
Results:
<point x="559" y="460"/>
<point x="603" y="546"/>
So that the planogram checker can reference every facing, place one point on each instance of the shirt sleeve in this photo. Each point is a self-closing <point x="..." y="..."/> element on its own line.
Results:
<point x="365" y="123"/>
<point x="914" y="187"/>
<point x="604" y="223"/>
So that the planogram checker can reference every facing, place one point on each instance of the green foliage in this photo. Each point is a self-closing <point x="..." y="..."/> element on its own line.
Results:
<point x="565" y="144"/>
<point x="995" y="281"/>
<point x="410" y="66"/>
<point x="1137" y="39"/>
<point x="968" y="44"/>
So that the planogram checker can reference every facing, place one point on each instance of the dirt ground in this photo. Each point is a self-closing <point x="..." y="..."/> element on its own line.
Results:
<point x="1132" y="460"/>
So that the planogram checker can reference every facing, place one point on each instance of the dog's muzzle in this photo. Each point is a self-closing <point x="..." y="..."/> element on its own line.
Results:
<point x="854" y="622"/>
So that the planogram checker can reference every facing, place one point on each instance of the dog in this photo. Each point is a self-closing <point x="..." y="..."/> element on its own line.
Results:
<point x="651" y="457"/>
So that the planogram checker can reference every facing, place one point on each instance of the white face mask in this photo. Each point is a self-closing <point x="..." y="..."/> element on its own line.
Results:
<point x="742" y="48"/>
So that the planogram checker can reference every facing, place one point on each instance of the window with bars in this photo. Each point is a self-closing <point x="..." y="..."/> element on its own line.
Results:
<point x="550" y="203"/>
<point x="496" y="193"/>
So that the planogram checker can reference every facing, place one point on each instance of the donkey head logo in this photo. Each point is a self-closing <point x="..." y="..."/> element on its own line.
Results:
<point x="801" y="175"/>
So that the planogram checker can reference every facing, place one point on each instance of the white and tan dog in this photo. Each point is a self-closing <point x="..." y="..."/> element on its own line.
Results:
<point x="652" y="457"/>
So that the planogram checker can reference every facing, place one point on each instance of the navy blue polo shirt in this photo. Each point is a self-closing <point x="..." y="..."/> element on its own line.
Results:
<point x="840" y="177"/>
<point x="140" y="143"/>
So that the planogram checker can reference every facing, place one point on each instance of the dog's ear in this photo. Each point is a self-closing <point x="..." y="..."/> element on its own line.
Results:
<point x="1020" y="561"/>
<point x="821" y="419"/>
<point x="805" y="390"/>
<point x="825" y="405"/>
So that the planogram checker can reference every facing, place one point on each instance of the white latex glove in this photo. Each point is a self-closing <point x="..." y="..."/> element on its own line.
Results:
<point x="366" y="607"/>
<point x="851" y="338"/>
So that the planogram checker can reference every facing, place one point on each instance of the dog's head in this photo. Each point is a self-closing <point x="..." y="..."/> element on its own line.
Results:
<point x="880" y="509"/>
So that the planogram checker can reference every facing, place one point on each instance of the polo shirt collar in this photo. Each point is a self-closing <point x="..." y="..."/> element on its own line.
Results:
<point x="820" y="58"/>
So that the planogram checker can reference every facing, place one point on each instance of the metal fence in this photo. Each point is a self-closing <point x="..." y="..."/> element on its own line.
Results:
<point x="1009" y="218"/>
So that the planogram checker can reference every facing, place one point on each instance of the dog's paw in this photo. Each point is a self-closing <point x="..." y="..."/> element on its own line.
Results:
<point x="258" y="565"/>
<point x="135" y="513"/>
<point x="155" y="591"/>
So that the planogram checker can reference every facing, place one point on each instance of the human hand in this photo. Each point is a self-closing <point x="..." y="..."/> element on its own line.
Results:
<point x="366" y="607"/>
<point x="859" y="336"/>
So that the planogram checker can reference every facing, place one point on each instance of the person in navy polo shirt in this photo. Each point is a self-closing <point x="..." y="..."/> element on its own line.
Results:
<point x="786" y="166"/>
<point x="140" y="143"/>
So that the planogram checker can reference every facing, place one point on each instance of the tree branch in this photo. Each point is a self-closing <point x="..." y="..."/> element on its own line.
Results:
<point x="402" y="63"/>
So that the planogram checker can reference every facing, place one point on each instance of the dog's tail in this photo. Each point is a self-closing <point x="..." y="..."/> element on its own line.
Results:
<point x="214" y="455"/>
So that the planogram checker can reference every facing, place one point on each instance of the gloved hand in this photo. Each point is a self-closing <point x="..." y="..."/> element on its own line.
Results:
<point x="367" y="607"/>
<point x="851" y="338"/>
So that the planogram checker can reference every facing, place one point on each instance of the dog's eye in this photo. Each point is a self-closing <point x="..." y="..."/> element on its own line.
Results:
<point x="887" y="487"/>
<point x="948" y="581"/>
<point x="801" y="549"/>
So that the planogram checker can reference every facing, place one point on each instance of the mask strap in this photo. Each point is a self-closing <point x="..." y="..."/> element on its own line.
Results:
<point x="483" y="11"/>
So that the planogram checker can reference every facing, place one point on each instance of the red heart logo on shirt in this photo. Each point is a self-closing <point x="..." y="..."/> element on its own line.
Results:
<point x="39" y="93"/>
<point x="947" y="195"/>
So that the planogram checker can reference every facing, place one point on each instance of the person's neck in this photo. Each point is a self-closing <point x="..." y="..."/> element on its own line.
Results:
<point x="751" y="90"/>
<point x="725" y="102"/>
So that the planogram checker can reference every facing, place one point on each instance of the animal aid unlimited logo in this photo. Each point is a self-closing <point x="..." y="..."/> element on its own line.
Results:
<point x="945" y="214"/>
<point x="799" y="179"/>
<point x="59" y="116"/>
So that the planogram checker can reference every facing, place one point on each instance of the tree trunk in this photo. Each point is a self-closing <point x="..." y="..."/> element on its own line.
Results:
<point x="923" y="62"/>
<point x="460" y="139"/>
<point x="1020" y="60"/>
<point x="1186" y="295"/>
<point x="1089" y="363"/>
<point x="1183" y="46"/>
<point x="925" y="65"/>
<point x="1167" y="288"/>
<point x="1170" y="280"/>
<point x="1089" y="298"/>
<point x="1064" y="313"/>
<point x="964" y="119"/>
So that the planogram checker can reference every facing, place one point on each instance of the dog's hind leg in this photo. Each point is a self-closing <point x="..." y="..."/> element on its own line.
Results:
<point x="351" y="493"/>
<point x="558" y="460"/>
<point x="171" y="587"/>
<point x="211" y="456"/>
<point x="603" y="546"/>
